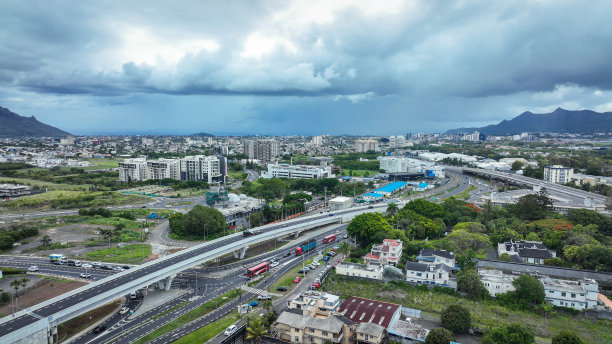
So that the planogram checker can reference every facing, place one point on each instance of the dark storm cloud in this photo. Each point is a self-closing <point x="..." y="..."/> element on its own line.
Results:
<point x="476" y="60"/>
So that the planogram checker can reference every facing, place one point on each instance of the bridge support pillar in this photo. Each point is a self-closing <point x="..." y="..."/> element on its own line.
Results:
<point x="240" y="254"/>
<point x="169" y="280"/>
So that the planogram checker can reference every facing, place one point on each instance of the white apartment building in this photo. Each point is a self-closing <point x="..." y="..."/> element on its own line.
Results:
<point x="362" y="146"/>
<point x="298" y="171"/>
<point x="133" y="170"/>
<point x="392" y="164"/>
<point x="317" y="140"/>
<point x="265" y="150"/>
<point x="496" y="281"/>
<point x="397" y="141"/>
<point x="387" y="253"/>
<point x="200" y="167"/>
<point x="580" y="294"/>
<point x="558" y="174"/>
<point x="360" y="270"/>
<point x="163" y="169"/>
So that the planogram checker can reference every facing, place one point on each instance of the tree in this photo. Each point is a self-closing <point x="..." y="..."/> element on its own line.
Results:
<point x="456" y="318"/>
<point x="426" y="208"/>
<point x="505" y="257"/>
<point x="45" y="240"/>
<point x="511" y="334"/>
<point x="461" y="240"/>
<point x="345" y="248"/>
<point x="24" y="282"/>
<point x="439" y="335"/>
<point x="392" y="209"/>
<point x="15" y="284"/>
<point x="176" y="223"/>
<point x="528" y="290"/>
<point x="566" y="337"/>
<point x="533" y="206"/>
<point x="516" y="165"/>
<point x="256" y="219"/>
<point x="5" y="296"/>
<point x="255" y="329"/>
<point x="117" y="230"/>
<point x="267" y="305"/>
<point x="469" y="282"/>
<point x="368" y="228"/>
<point x="203" y="221"/>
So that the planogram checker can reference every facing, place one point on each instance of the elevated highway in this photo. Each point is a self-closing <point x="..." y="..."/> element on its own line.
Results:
<point x="36" y="324"/>
<point x="578" y="196"/>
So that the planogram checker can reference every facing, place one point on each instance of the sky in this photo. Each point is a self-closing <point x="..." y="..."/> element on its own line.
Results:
<point x="300" y="67"/>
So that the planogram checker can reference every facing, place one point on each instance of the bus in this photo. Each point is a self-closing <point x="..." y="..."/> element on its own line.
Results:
<point x="329" y="238"/>
<point x="57" y="259"/>
<point x="258" y="269"/>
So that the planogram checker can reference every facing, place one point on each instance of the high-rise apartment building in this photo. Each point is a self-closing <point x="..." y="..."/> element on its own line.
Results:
<point x="133" y="170"/>
<point x="558" y="174"/>
<point x="265" y="150"/>
<point x="201" y="167"/>
<point x="193" y="168"/>
<point x="362" y="146"/>
<point x="163" y="169"/>
<point x="317" y="140"/>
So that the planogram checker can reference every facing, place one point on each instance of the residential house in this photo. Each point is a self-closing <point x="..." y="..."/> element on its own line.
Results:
<point x="314" y="303"/>
<point x="292" y="327"/>
<point x="370" y="333"/>
<point x="371" y="271"/>
<point x="362" y="310"/>
<point x="430" y="273"/>
<point x="580" y="294"/>
<point x="387" y="253"/>
<point x="496" y="281"/>
<point x="533" y="252"/>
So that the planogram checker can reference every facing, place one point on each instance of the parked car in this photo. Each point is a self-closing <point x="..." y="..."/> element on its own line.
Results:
<point x="297" y="279"/>
<point x="125" y="267"/>
<point x="326" y="258"/>
<point x="274" y="264"/>
<point x="315" y="263"/>
<point x="99" y="329"/>
<point x="106" y="267"/>
<point x="87" y="266"/>
<point x="282" y="288"/>
<point x="230" y="330"/>
<point x="124" y="310"/>
<point x="33" y="268"/>
<point x="253" y="304"/>
<point x="264" y="297"/>
<point x="345" y="236"/>
<point x="370" y="207"/>
<point x="85" y="275"/>
<point x="96" y="264"/>
<point x="303" y="272"/>
<point x="118" y="268"/>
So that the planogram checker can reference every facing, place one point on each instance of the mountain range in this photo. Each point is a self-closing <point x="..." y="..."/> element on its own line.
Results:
<point x="558" y="121"/>
<point x="13" y="124"/>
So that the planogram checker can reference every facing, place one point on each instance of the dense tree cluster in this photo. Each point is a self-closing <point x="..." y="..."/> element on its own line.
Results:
<point x="456" y="318"/>
<point x="511" y="334"/>
<point x="200" y="221"/>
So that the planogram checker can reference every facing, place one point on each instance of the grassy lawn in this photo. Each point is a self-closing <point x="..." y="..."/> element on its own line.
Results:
<point x="485" y="313"/>
<point x="207" y="332"/>
<point x="129" y="254"/>
<point x="43" y="184"/>
<point x="287" y="279"/>
<point x="99" y="164"/>
<point x="465" y="194"/>
<point x="191" y="316"/>
<point x="71" y="200"/>
<point x="78" y="324"/>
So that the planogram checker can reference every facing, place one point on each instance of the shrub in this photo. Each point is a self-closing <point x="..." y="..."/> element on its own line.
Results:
<point x="439" y="335"/>
<point x="566" y="337"/>
<point x="456" y="318"/>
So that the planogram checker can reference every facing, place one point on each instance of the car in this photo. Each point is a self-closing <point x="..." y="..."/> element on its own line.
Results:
<point x="230" y="330"/>
<point x="264" y="297"/>
<point x="124" y="310"/>
<point x="331" y="214"/>
<point x="370" y="207"/>
<point x="96" y="264"/>
<point x="310" y="266"/>
<point x="125" y="267"/>
<point x="33" y="268"/>
<point x="315" y="286"/>
<point x="315" y="263"/>
<point x="326" y="258"/>
<point x="274" y="264"/>
<point x="282" y="288"/>
<point x="303" y="272"/>
<point x="85" y="275"/>
<point x="336" y="247"/>
<point x="345" y="236"/>
<point x="275" y="259"/>
<point x="118" y="268"/>
<point x="99" y="329"/>
<point x="287" y="254"/>
<point x="87" y="266"/>
<point x="254" y="304"/>
<point x="297" y="279"/>
<point x="106" y="267"/>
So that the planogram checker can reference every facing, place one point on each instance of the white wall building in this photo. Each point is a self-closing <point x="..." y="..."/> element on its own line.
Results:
<point x="133" y="170"/>
<point x="581" y="294"/>
<point x="392" y="164"/>
<point x="496" y="281"/>
<point x="387" y="253"/>
<point x="432" y="274"/>
<point x="317" y="140"/>
<point x="362" y="146"/>
<point x="163" y="169"/>
<point x="297" y="171"/>
<point x="340" y="203"/>
<point x="200" y="167"/>
<point x="558" y="174"/>
<point x="360" y="270"/>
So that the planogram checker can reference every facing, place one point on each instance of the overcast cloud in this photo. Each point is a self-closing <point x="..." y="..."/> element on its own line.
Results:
<point x="301" y="67"/>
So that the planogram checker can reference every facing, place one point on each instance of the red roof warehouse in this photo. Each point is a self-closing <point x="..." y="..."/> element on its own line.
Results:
<point x="364" y="310"/>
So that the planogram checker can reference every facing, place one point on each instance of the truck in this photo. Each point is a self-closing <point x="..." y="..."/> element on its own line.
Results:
<point x="305" y="247"/>
<point x="57" y="259"/>
<point x="246" y="233"/>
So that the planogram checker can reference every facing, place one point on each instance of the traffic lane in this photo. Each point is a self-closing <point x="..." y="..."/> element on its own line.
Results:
<point x="131" y="275"/>
<point x="58" y="270"/>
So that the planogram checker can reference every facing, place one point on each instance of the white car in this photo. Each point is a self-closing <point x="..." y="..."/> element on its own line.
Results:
<point x="33" y="268"/>
<point x="264" y="297"/>
<point x="97" y="264"/>
<point x="85" y="275"/>
<point x="230" y="330"/>
<point x="124" y="310"/>
<point x="315" y="263"/>
<point x="87" y="266"/>
<point x="118" y="268"/>
<point x="274" y="264"/>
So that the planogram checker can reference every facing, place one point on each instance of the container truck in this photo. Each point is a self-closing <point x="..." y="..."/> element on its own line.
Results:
<point x="305" y="247"/>
<point x="57" y="259"/>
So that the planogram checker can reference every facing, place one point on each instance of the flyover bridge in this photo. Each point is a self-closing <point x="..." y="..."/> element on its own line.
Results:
<point x="595" y="199"/>
<point x="37" y="323"/>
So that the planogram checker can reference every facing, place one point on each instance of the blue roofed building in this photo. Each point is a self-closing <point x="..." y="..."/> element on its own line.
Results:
<point x="391" y="188"/>
<point x="372" y="197"/>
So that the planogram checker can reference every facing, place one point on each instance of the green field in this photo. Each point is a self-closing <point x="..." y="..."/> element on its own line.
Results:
<point x="44" y="185"/>
<point x="103" y="164"/>
<point x="129" y="254"/>
<point x="71" y="200"/>
<point x="485" y="313"/>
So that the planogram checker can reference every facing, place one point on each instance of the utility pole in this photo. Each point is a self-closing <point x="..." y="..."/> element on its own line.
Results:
<point x="325" y="200"/>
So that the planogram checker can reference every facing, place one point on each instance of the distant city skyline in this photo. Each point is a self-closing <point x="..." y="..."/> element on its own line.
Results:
<point x="300" y="67"/>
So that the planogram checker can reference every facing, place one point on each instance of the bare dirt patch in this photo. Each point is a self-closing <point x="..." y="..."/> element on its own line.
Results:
<point x="72" y="233"/>
<point x="49" y="289"/>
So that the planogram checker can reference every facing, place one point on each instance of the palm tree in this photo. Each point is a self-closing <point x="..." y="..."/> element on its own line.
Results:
<point x="345" y="248"/>
<point x="392" y="209"/>
<point x="15" y="284"/>
<point x="45" y="240"/>
<point x="24" y="282"/>
<point x="255" y="329"/>
<point x="267" y="305"/>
